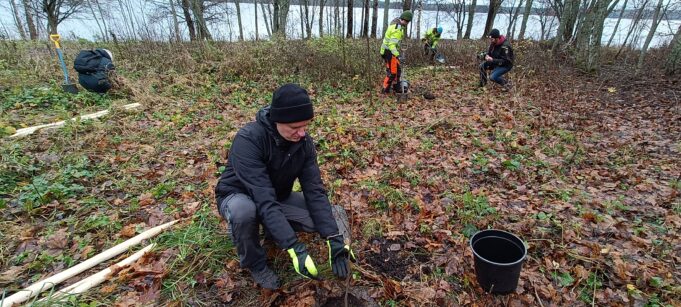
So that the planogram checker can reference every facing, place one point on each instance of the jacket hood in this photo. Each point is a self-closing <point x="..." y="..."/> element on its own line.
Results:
<point x="263" y="118"/>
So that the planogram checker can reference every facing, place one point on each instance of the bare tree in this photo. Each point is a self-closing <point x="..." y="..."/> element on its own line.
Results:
<point x="238" y="18"/>
<point x="321" y="17"/>
<point x="186" y="11"/>
<point x="567" y="13"/>
<point x="29" y="12"/>
<point x="102" y="31"/>
<point x="349" y="20"/>
<point x="546" y="19"/>
<point x="267" y="16"/>
<point x="280" y="17"/>
<point x="617" y="24"/>
<point x="471" y="15"/>
<point x="513" y="17"/>
<point x="365" y="18"/>
<point x="492" y="11"/>
<point x="419" y="8"/>
<point x="658" y="15"/>
<point x="56" y="11"/>
<point x="386" y="8"/>
<point x="590" y="32"/>
<point x="17" y="19"/>
<point x="673" y="63"/>
<point x="634" y="23"/>
<point x="456" y="10"/>
<point x="526" y="15"/>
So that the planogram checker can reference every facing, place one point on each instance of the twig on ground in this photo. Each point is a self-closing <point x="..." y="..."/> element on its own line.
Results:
<point x="535" y="292"/>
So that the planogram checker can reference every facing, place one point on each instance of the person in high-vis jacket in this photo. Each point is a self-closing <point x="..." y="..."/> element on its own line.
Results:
<point x="266" y="157"/>
<point x="431" y="40"/>
<point x="390" y="49"/>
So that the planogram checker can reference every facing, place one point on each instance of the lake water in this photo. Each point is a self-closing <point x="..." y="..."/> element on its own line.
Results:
<point x="85" y="27"/>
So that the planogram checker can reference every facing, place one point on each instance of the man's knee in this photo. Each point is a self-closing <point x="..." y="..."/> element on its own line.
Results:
<point x="240" y="209"/>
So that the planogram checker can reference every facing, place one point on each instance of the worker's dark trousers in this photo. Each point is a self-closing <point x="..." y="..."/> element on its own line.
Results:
<point x="244" y="225"/>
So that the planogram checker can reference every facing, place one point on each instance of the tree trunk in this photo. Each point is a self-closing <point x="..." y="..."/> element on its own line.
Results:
<point x="176" y="23"/>
<point x="567" y="24"/>
<point x="588" y="41"/>
<point x="255" y="17"/>
<point x="634" y="23"/>
<point x="406" y="5"/>
<point x="365" y="22"/>
<point x="471" y="16"/>
<point x="349" y="20"/>
<point x="491" y="14"/>
<point x="386" y="8"/>
<point x="188" y="20"/>
<point x="198" y="9"/>
<point x="28" y="11"/>
<point x="267" y="16"/>
<point x="308" y="20"/>
<point x="374" y="19"/>
<point x="302" y="20"/>
<point x="419" y="8"/>
<point x="321" y="17"/>
<point x="526" y="15"/>
<point x="284" y="6"/>
<point x="510" y="32"/>
<point x="275" y="16"/>
<point x="17" y="20"/>
<point x="336" y="18"/>
<point x="657" y="17"/>
<point x="238" y="18"/>
<point x="617" y="24"/>
<point x="94" y="16"/>
<point x="673" y="63"/>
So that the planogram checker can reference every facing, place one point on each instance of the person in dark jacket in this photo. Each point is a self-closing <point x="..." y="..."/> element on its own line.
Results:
<point x="99" y="79"/>
<point x="265" y="159"/>
<point x="499" y="59"/>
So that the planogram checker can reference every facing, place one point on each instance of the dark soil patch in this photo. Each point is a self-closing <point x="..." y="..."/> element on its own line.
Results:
<point x="340" y="301"/>
<point x="390" y="257"/>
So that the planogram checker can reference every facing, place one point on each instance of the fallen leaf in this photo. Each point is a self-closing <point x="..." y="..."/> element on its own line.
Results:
<point x="129" y="230"/>
<point x="59" y="240"/>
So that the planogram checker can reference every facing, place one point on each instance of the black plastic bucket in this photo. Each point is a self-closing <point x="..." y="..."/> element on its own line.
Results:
<point x="498" y="259"/>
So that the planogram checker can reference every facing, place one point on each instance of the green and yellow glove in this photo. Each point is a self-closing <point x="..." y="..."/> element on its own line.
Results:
<point x="339" y="254"/>
<point x="302" y="262"/>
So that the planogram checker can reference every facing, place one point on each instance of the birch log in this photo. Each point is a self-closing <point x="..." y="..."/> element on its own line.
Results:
<point x="30" y="130"/>
<point x="51" y="281"/>
<point x="98" y="278"/>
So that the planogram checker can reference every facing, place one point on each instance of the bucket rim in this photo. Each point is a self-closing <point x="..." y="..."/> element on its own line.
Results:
<point x="476" y="255"/>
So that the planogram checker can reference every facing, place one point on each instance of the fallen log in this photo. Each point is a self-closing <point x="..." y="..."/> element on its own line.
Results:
<point x="101" y="276"/>
<point x="46" y="284"/>
<point x="30" y="130"/>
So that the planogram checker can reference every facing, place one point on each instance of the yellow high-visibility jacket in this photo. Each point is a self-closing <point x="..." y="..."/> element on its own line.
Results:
<point x="432" y="37"/>
<point x="392" y="38"/>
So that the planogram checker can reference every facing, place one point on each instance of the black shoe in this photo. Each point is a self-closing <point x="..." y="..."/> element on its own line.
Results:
<point x="266" y="278"/>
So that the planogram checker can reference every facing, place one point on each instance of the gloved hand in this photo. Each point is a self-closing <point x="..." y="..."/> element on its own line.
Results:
<point x="302" y="262"/>
<point x="339" y="254"/>
<point x="400" y="58"/>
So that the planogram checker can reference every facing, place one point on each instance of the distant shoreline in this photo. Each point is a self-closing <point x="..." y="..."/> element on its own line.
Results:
<point x="627" y="14"/>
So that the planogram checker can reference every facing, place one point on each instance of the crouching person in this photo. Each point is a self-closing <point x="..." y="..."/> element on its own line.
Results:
<point x="499" y="59"/>
<point x="95" y="70"/>
<point x="255" y="189"/>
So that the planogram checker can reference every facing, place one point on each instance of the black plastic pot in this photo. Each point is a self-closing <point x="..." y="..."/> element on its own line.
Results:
<point x="498" y="258"/>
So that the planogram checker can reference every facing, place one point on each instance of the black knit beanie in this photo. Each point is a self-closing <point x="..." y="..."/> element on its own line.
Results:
<point x="494" y="33"/>
<point x="290" y="104"/>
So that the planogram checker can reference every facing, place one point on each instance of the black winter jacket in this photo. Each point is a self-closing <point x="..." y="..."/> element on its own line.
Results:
<point x="98" y="81"/>
<point x="264" y="166"/>
<point x="502" y="54"/>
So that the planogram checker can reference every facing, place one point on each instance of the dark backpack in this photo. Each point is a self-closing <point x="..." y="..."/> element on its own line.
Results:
<point x="87" y="61"/>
